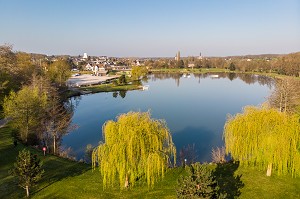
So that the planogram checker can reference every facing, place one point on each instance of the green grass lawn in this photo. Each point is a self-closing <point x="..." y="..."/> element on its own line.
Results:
<point x="68" y="179"/>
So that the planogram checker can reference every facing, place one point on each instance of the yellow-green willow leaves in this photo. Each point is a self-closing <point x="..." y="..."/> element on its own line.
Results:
<point x="265" y="138"/>
<point x="135" y="146"/>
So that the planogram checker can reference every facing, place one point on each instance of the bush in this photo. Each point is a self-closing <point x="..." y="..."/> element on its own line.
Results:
<point x="199" y="183"/>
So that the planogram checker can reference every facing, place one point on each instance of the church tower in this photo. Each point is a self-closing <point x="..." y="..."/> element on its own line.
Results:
<point x="177" y="57"/>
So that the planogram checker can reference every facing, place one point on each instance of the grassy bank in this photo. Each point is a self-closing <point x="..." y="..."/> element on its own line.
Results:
<point x="109" y="88"/>
<point x="68" y="179"/>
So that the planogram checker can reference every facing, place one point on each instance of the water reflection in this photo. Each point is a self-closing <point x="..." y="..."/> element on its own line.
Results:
<point x="122" y="94"/>
<point x="247" y="78"/>
<point x="194" y="107"/>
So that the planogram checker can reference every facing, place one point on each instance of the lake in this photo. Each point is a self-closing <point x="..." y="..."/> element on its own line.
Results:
<point x="195" y="108"/>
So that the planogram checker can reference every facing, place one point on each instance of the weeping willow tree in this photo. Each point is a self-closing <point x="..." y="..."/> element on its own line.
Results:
<point x="265" y="138"/>
<point x="135" y="147"/>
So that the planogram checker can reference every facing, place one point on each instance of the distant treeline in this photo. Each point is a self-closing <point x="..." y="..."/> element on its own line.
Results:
<point x="282" y="64"/>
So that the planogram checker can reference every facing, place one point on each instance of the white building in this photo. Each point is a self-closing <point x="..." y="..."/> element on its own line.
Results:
<point x="85" y="56"/>
<point x="88" y="67"/>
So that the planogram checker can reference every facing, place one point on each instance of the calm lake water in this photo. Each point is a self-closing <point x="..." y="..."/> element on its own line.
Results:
<point x="195" y="108"/>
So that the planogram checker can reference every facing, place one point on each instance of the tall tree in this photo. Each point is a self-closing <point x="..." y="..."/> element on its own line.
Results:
<point x="7" y="71"/>
<point x="138" y="72"/>
<point x="136" y="146"/>
<point x="28" y="169"/>
<point x="25" y="67"/>
<point x="231" y="67"/>
<point x="59" y="71"/>
<point x="264" y="138"/>
<point x="56" y="122"/>
<point x="25" y="108"/>
<point x="7" y="59"/>
<point x="122" y="80"/>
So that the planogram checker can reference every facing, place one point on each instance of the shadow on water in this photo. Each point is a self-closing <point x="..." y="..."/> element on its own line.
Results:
<point x="229" y="183"/>
<point x="198" y="136"/>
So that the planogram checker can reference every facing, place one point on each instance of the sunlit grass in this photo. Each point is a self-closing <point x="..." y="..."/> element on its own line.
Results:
<point x="110" y="88"/>
<point x="69" y="179"/>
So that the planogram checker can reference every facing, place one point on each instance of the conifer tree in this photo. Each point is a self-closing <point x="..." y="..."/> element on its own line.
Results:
<point x="28" y="169"/>
<point x="199" y="183"/>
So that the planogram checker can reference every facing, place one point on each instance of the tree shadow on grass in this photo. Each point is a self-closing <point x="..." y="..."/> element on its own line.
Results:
<point x="57" y="169"/>
<point x="229" y="183"/>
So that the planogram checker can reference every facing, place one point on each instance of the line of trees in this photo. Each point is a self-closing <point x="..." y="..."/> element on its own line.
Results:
<point x="17" y="68"/>
<point x="31" y="96"/>
<point x="286" y="64"/>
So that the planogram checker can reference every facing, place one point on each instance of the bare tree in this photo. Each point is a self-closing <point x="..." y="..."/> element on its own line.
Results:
<point x="218" y="155"/>
<point x="286" y="96"/>
<point x="56" y="123"/>
<point x="187" y="155"/>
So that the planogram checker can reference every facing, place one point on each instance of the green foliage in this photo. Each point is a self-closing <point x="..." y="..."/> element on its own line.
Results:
<point x="136" y="146"/>
<point x="264" y="138"/>
<point x="138" y="71"/>
<point x="15" y="70"/>
<point x="25" y="108"/>
<point x="66" y="179"/>
<point x="25" y="66"/>
<point x="199" y="183"/>
<point x="231" y="67"/>
<point x="180" y="64"/>
<point x="122" y="80"/>
<point x="228" y="180"/>
<point x="59" y="72"/>
<point x="28" y="169"/>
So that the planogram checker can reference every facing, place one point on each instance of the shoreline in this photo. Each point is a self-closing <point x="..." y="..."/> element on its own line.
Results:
<point x="109" y="87"/>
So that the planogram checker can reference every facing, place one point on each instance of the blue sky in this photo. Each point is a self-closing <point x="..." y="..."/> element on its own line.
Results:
<point x="151" y="28"/>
